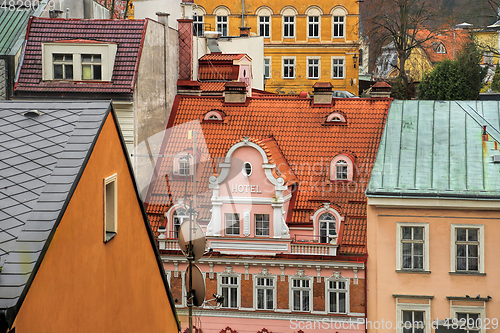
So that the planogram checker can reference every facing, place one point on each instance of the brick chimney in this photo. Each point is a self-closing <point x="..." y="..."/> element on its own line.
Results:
<point x="381" y="89"/>
<point x="235" y="92"/>
<point x="323" y="93"/>
<point x="244" y="31"/>
<point x="185" y="49"/>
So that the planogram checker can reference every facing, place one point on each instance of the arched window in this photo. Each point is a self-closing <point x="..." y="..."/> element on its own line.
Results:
<point x="313" y="21"/>
<point x="288" y="13"/>
<point x="338" y="22"/>
<point x="335" y="117"/>
<point x="198" y="22"/>
<point x="342" y="168"/>
<point x="182" y="164"/>
<point x="246" y="169"/>
<point x="264" y="14"/>
<point x="221" y="19"/>
<point x="180" y="215"/>
<point x="327" y="227"/>
<point x="214" y="115"/>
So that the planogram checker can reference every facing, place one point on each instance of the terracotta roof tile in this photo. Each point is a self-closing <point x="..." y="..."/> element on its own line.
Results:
<point x="128" y="34"/>
<point x="293" y="135"/>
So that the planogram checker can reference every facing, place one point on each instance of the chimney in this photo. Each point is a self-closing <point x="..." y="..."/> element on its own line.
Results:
<point x="163" y="18"/>
<point x="185" y="27"/>
<point x="235" y="92"/>
<point x="244" y="31"/>
<point x="322" y="93"/>
<point x="212" y="41"/>
<point x="381" y="89"/>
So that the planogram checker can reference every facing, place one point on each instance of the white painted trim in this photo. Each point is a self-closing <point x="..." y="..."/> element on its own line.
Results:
<point x="440" y="203"/>
<point x="290" y="288"/>
<point x="481" y="309"/>
<point x="413" y="307"/>
<point x="252" y="200"/>
<point x="248" y="246"/>
<point x="453" y="247"/>
<point x="319" y="64"/>
<point x="274" y="288"/>
<point x="113" y="227"/>
<point x="348" y="295"/>
<point x="294" y="58"/>
<point x="238" y="282"/>
<point x="344" y="66"/>
<point x="399" y="225"/>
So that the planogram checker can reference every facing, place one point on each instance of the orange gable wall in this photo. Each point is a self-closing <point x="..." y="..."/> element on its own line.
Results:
<point x="85" y="285"/>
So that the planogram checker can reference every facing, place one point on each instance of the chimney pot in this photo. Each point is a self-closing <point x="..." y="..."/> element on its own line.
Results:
<point x="244" y="31"/>
<point x="163" y="18"/>
<point x="235" y="92"/>
<point x="323" y="93"/>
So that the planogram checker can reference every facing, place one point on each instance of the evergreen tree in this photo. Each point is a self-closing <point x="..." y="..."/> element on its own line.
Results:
<point x="495" y="83"/>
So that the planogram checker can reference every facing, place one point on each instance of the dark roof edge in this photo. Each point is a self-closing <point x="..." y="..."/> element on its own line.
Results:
<point x="139" y="54"/>
<point x="146" y="220"/>
<point x="430" y="195"/>
<point x="12" y="312"/>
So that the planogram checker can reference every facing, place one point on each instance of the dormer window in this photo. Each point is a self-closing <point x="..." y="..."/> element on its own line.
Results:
<point x="214" y="116"/>
<point x="439" y="48"/>
<point x="78" y="60"/>
<point x="182" y="164"/>
<point x="327" y="227"/>
<point x="342" y="168"/>
<point x="183" y="167"/>
<point x="336" y="117"/>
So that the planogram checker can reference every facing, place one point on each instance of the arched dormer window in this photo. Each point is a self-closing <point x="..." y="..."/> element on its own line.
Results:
<point x="183" y="164"/>
<point x="326" y="221"/>
<point x="214" y="116"/>
<point x="342" y="168"/>
<point x="336" y="117"/>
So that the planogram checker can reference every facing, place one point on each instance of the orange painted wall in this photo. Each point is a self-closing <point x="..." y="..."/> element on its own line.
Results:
<point x="85" y="285"/>
<point x="383" y="281"/>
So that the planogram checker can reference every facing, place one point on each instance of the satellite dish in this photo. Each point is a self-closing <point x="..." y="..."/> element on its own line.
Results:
<point x="195" y="238"/>
<point x="198" y="285"/>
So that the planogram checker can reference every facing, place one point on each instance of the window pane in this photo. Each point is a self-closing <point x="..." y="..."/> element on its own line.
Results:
<point x="234" y="297"/>
<point x="418" y="249"/>
<point x="418" y="233"/>
<point x="461" y="264"/>
<point x="225" y="294"/>
<point x="342" y="302"/>
<point x="406" y="232"/>
<point x="406" y="248"/>
<point x="86" y="57"/>
<point x="58" y="57"/>
<point x="58" y="72"/>
<point x="68" y="57"/>
<point x="461" y="250"/>
<point x="97" y="72"/>
<point x="418" y="316"/>
<point x="472" y="235"/>
<point x="97" y="58"/>
<point x="305" y="300"/>
<point x="461" y="234"/>
<point x="260" y="298"/>
<point x="333" y="302"/>
<point x="296" y="300"/>
<point x="68" y="71"/>
<point x="269" y="293"/>
<point x="86" y="72"/>
<point x="473" y="264"/>
<point x="407" y="316"/>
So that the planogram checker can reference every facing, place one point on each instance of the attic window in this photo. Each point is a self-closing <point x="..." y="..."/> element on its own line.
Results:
<point x="214" y="116"/>
<point x="341" y="168"/>
<point x="439" y="48"/>
<point x="247" y="169"/>
<point x="335" y="117"/>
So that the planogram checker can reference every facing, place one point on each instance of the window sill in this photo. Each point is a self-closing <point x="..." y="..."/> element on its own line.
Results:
<point x="109" y="236"/>
<point x="288" y="78"/>
<point x="313" y="78"/>
<point x="338" y="78"/>
<point x="412" y="271"/>
<point x="468" y="273"/>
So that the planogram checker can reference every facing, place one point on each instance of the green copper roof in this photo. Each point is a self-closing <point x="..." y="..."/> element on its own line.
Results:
<point x="13" y="24"/>
<point x="436" y="149"/>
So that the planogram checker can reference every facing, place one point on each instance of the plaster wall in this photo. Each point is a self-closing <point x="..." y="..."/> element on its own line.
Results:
<point x="148" y="9"/>
<point x="383" y="280"/>
<point x="92" y="286"/>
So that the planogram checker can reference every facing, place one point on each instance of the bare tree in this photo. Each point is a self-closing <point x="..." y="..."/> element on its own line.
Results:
<point x="407" y="24"/>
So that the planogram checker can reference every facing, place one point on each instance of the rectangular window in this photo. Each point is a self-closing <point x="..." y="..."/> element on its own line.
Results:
<point x="338" y="26"/>
<point x="63" y="66"/>
<point x="91" y="67"/>
<point x="337" y="293"/>
<point x="300" y="295"/>
<point x="261" y="224"/>
<point x="198" y="28"/>
<point x="232" y="224"/>
<point x="412" y="243"/>
<point x="229" y="288"/>
<point x="265" y="293"/>
<point x="470" y="321"/>
<point x="222" y="25"/>
<point x="267" y="68"/>
<point x="264" y="27"/>
<point x="184" y="167"/>
<point x="467" y="243"/>
<point x="288" y="26"/>
<point x="288" y="68"/>
<point x="313" y="68"/>
<point x="413" y="321"/>
<point x="313" y="26"/>
<point x="110" y="207"/>
<point x="337" y="68"/>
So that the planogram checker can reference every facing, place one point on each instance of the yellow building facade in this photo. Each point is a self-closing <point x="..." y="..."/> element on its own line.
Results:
<point x="303" y="43"/>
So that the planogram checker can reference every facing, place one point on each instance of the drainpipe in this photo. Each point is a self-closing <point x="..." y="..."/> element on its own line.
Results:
<point x="242" y="13"/>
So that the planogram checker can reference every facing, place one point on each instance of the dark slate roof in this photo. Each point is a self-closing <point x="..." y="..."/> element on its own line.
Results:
<point x="13" y="23"/>
<point x="437" y="149"/>
<point x="128" y="34"/>
<point x="41" y="158"/>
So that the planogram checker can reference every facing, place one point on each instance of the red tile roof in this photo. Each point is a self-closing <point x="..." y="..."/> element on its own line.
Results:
<point x="451" y="39"/>
<point x="222" y="57"/>
<point x="128" y="34"/>
<point x="293" y="131"/>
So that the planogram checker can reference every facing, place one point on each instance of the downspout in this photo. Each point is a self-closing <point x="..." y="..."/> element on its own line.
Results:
<point x="242" y="13"/>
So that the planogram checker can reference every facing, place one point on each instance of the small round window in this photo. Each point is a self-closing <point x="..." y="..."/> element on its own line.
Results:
<point x="247" y="169"/>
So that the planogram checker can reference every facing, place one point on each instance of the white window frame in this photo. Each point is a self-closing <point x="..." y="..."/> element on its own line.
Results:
<point x="337" y="65"/>
<point x="328" y="291"/>
<point x="237" y="286"/>
<point x="309" y="289"/>
<point x="328" y="237"/>
<point x="400" y="307"/>
<point x="313" y="24"/>
<point x="265" y="24"/>
<point x="178" y="159"/>
<point x="268" y="66"/>
<point x="273" y="288"/>
<point x="470" y="309"/>
<point x="268" y="225"/>
<point x="226" y="226"/>
<point x="110" y="207"/>
<point x="453" y="251"/>
<point x="290" y="25"/>
<point x="197" y="23"/>
<point x="222" y="25"/>
<point x="283" y="67"/>
<point x="181" y="218"/>
<point x="339" y="25"/>
<point x="399" y="248"/>
<point x="318" y="65"/>
<point x="107" y="51"/>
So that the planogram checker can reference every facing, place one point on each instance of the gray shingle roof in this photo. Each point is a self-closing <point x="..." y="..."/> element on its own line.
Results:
<point x="436" y="149"/>
<point x="42" y="157"/>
